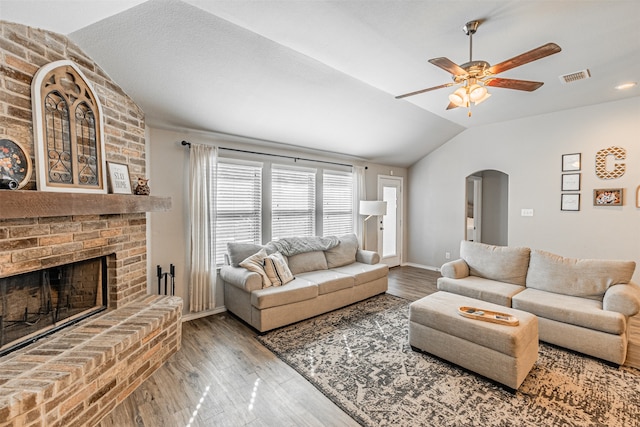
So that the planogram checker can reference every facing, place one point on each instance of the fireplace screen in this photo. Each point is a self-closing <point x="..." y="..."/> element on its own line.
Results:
<point x="38" y="303"/>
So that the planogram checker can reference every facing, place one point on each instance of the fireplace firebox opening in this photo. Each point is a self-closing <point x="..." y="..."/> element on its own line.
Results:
<point x="38" y="303"/>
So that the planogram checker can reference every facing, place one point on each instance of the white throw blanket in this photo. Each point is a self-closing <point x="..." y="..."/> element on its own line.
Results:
<point x="296" y="245"/>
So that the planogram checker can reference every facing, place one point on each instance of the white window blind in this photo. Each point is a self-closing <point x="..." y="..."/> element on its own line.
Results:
<point x="293" y="198"/>
<point x="337" y="203"/>
<point x="239" y="205"/>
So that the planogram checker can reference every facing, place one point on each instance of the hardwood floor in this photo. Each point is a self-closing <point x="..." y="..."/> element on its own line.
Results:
<point x="223" y="376"/>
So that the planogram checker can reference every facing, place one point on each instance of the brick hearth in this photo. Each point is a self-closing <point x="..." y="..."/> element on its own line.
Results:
<point x="80" y="373"/>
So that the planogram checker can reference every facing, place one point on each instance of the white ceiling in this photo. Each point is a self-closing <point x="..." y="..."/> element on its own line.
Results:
<point x="323" y="74"/>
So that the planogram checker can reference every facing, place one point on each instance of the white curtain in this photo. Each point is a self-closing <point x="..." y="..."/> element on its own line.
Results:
<point x="359" y="193"/>
<point x="202" y="186"/>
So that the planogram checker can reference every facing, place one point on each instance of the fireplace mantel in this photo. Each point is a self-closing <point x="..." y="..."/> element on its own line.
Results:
<point x="36" y="204"/>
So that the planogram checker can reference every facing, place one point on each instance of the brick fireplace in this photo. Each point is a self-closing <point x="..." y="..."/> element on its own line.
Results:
<point x="79" y="374"/>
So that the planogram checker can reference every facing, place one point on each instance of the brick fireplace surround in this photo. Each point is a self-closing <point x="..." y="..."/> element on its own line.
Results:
<point x="79" y="374"/>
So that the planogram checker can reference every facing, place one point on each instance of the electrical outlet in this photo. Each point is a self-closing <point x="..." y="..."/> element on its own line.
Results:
<point x="447" y="255"/>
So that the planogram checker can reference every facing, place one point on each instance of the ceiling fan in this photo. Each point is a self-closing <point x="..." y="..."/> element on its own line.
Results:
<point x="474" y="76"/>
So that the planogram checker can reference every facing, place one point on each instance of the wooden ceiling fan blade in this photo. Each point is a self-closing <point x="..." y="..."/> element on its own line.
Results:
<point x="524" y="58"/>
<point x="417" y="92"/>
<point x="525" y="85"/>
<point x="451" y="106"/>
<point x="448" y="65"/>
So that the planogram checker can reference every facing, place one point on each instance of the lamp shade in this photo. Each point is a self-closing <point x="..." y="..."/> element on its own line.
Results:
<point x="477" y="92"/>
<point x="373" y="207"/>
<point x="459" y="97"/>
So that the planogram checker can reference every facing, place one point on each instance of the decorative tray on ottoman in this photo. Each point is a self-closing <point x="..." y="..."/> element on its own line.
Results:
<point x="488" y="315"/>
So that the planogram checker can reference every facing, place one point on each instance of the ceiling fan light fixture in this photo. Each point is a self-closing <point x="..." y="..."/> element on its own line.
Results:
<point x="484" y="98"/>
<point x="459" y="97"/>
<point x="477" y="92"/>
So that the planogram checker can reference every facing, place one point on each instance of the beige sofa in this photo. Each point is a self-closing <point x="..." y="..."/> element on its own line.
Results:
<point x="581" y="304"/>
<point x="323" y="280"/>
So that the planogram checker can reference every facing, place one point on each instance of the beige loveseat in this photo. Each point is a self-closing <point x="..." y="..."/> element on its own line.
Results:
<point x="581" y="304"/>
<point x="322" y="279"/>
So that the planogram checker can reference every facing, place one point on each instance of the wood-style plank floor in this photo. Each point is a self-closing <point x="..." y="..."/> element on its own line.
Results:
<point x="223" y="376"/>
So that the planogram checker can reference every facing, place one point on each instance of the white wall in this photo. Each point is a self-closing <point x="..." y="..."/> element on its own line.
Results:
<point x="529" y="151"/>
<point x="169" y="173"/>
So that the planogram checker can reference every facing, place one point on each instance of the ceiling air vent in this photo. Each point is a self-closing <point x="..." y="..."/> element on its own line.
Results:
<point x="574" y="77"/>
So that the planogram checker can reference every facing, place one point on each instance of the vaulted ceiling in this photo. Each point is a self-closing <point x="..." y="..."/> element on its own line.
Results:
<point x="324" y="74"/>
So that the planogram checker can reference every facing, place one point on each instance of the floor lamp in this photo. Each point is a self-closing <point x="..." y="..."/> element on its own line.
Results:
<point x="370" y="208"/>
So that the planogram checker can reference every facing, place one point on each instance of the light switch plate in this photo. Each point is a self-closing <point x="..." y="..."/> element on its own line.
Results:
<point x="526" y="212"/>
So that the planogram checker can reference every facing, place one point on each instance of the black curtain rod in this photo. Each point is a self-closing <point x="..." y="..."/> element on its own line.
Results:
<point x="295" y="159"/>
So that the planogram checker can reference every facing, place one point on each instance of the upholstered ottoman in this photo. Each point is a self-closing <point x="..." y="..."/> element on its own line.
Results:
<point x="502" y="353"/>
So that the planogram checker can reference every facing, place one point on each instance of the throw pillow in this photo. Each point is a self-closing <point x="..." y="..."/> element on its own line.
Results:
<point x="256" y="263"/>
<point x="277" y="269"/>
<point x="344" y="253"/>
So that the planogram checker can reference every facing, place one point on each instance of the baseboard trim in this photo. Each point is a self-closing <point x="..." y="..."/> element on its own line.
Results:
<point x="424" y="267"/>
<point x="198" y="315"/>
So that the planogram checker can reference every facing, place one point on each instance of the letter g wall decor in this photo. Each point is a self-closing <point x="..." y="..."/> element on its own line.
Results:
<point x="618" y="153"/>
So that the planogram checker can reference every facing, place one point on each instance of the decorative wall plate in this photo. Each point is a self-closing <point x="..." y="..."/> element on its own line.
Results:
<point x="14" y="162"/>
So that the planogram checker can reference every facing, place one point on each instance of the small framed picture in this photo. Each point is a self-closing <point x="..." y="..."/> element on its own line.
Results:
<point x="638" y="197"/>
<point x="571" y="182"/>
<point x="119" y="181"/>
<point x="607" y="197"/>
<point x="570" y="202"/>
<point x="570" y="162"/>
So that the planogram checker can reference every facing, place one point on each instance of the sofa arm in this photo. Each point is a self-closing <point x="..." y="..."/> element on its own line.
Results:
<point x="367" y="257"/>
<point x="456" y="269"/>
<point x="241" y="278"/>
<point x="623" y="298"/>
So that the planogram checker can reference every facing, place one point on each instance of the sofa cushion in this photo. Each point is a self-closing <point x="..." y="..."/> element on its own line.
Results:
<point x="578" y="311"/>
<point x="238" y="252"/>
<point x="481" y="289"/>
<point x="277" y="269"/>
<point x="363" y="273"/>
<point x="328" y="280"/>
<point x="344" y="253"/>
<point x="501" y="263"/>
<point x="307" y="261"/>
<point x="274" y="296"/>
<point x="589" y="278"/>
<point x="255" y="263"/>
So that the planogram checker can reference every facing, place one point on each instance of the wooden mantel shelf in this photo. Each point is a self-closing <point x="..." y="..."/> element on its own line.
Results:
<point x="35" y="204"/>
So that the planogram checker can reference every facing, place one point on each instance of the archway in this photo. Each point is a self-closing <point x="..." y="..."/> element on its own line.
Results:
<point x="487" y="203"/>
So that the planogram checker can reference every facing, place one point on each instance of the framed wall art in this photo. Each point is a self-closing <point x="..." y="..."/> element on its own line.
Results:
<point x="570" y="202"/>
<point x="119" y="181"/>
<point x="607" y="197"/>
<point x="638" y="197"/>
<point x="571" y="182"/>
<point x="571" y="162"/>
<point x="67" y="130"/>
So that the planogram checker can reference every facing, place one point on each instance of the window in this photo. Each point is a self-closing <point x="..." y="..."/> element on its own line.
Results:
<point x="293" y="202"/>
<point x="239" y="205"/>
<point x="337" y="203"/>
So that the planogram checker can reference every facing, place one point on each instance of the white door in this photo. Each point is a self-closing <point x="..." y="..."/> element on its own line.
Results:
<point x="390" y="225"/>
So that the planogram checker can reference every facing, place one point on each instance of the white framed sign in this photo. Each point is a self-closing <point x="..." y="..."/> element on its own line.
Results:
<point x="119" y="181"/>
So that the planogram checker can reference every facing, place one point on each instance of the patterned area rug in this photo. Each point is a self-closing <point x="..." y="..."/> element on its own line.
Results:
<point x="360" y="358"/>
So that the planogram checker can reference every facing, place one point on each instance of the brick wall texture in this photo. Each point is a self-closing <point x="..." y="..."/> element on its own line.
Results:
<point x="78" y="375"/>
